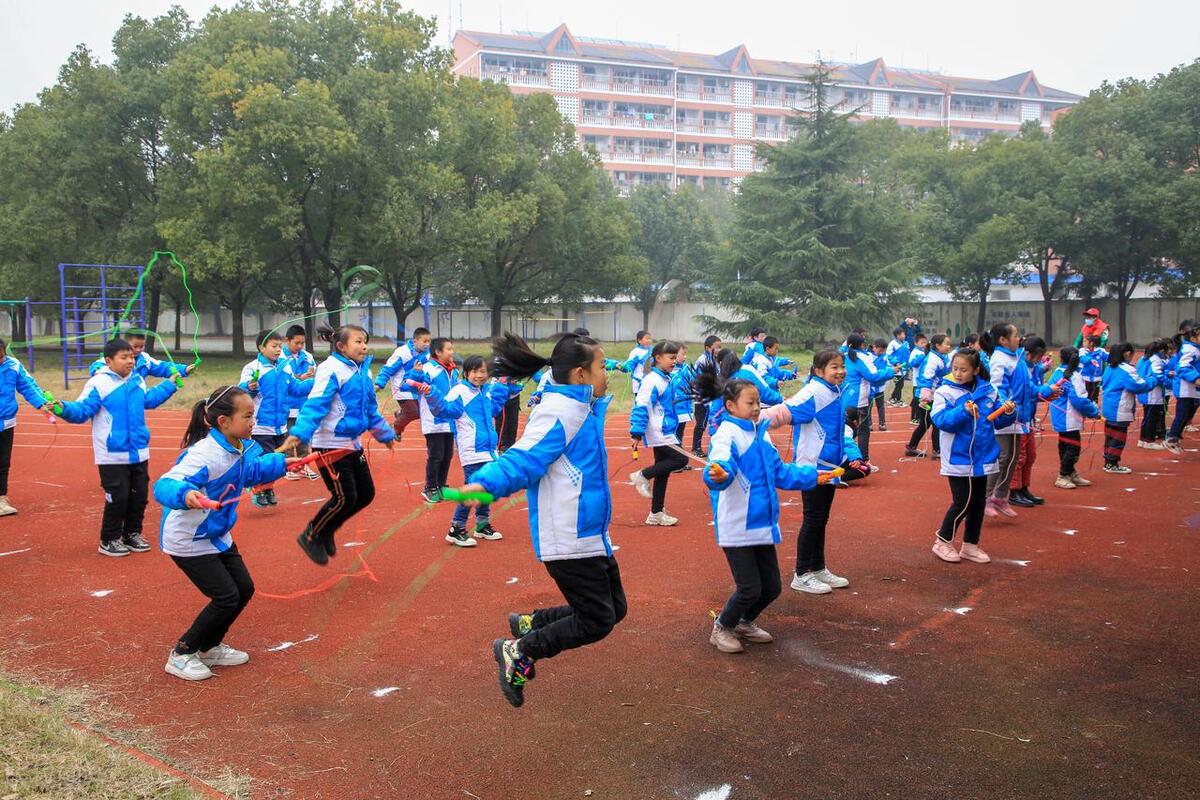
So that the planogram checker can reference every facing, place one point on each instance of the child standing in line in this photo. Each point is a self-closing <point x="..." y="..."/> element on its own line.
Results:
<point x="340" y="408"/>
<point x="1067" y="412"/>
<point x="1092" y="359"/>
<point x="712" y="346"/>
<point x="635" y="365"/>
<point x="961" y="407"/>
<point x="219" y="458"/>
<point x="13" y="379"/>
<point x="1020" y="493"/>
<point x="653" y="421"/>
<point x="743" y="474"/>
<point x="754" y="345"/>
<point x="473" y="405"/>
<point x="301" y="364"/>
<point x="883" y="364"/>
<point x="562" y="462"/>
<point x="898" y="352"/>
<point x="818" y="420"/>
<point x="404" y="360"/>
<point x="681" y="390"/>
<point x="934" y="368"/>
<point x="862" y="377"/>
<point x="1121" y="386"/>
<point x="916" y="363"/>
<point x="441" y="371"/>
<point x="1011" y="379"/>
<point x="1186" y="385"/>
<point x="115" y="399"/>
<point x="1152" y="368"/>
<point x="273" y="389"/>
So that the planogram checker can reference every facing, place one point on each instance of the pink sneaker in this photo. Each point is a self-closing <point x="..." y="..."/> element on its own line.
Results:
<point x="1004" y="508"/>
<point x="989" y="508"/>
<point x="945" y="550"/>
<point x="971" y="552"/>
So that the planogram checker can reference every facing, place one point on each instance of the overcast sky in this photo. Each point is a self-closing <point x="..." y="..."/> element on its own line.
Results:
<point x="1070" y="45"/>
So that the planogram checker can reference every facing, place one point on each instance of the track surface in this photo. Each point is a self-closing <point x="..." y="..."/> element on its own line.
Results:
<point x="1066" y="668"/>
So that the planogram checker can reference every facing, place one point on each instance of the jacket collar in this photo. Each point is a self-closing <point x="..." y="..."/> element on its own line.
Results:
<point x="744" y="424"/>
<point x="366" y="364"/>
<point x="826" y="384"/>
<point x="220" y="439"/>
<point x="262" y="359"/>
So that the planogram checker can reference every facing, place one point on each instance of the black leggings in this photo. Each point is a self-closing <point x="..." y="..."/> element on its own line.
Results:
<point x="1154" y="421"/>
<point x="756" y="582"/>
<point x="968" y="496"/>
<point x="666" y="461"/>
<point x="1115" y="434"/>
<point x="595" y="604"/>
<point x="863" y="435"/>
<point x="439" y="448"/>
<point x="1068" y="452"/>
<point x="224" y="579"/>
<point x="700" y="412"/>
<point x="506" y="423"/>
<point x="897" y="389"/>
<point x="925" y="423"/>
<point x="6" y="445"/>
<point x="351" y="490"/>
<point x="810" y="542"/>
<point x="1185" y="409"/>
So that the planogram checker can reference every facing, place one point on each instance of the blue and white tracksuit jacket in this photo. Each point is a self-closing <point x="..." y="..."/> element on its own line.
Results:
<point x="562" y="462"/>
<point x="1119" y="392"/>
<point x="681" y="388"/>
<point x="1068" y="410"/>
<point x="767" y="393"/>
<point x="1010" y="376"/>
<point x="277" y="390"/>
<point x="148" y="367"/>
<point x="1153" y="370"/>
<point x="862" y="376"/>
<point x="898" y="352"/>
<point x="473" y="411"/>
<point x="1187" y="371"/>
<point x="1091" y="364"/>
<point x="298" y="364"/>
<point x="13" y="379"/>
<point x="969" y="446"/>
<point x="746" y="504"/>
<point x="541" y="379"/>
<point x="753" y="348"/>
<point x="882" y="364"/>
<point x="1038" y="390"/>
<point x="818" y="422"/>
<point x="441" y="379"/>
<point x="933" y="371"/>
<point x="653" y="419"/>
<point x="404" y="360"/>
<point x="635" y="365"/>
<point x="341" y="407"/>
<point x="217" y="469"/>
<point x="117" y="408"/>
<point x="850" y="445"/>
<point x="916" y="364"/>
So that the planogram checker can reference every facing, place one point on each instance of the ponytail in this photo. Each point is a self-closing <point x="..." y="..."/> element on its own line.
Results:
<point x="1116" y="353"/>
<point x="340" y="335"/>
<point x="711" y="378"/>
<point x="205" y="413"/>
<point x="1069" y="358"/>
<point x="854" y="343"/>
<point x="514" y="358"/>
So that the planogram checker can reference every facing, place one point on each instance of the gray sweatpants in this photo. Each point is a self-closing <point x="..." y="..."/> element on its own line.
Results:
<point x="998" y="482"/>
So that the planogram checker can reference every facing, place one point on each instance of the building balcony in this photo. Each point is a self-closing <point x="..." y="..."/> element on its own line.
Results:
<point x="705" y="94"/>
<point x="915" y="112"/>
<point x="774" y="99"/>
<point x="700" y="160"/>
<point x="639" y="121"/>
<point x="704" y="128"/>
<point x="771" y="132"/>
<point x="626" y="156"/>
<point x="985" y="115"/>
<point x="516" y="77"/>
<point x="617" y="85"/>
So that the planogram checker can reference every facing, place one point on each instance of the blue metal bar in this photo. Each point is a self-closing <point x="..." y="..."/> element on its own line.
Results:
<point x="29" y="334"/>
<point x="62" y="320"/>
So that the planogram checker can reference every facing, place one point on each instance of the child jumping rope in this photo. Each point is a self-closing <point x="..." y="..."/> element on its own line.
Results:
<point x="1010" y="377"/>
<point x="562" y="462"/>
<point x="303" y="366"/>
<point x="13" y="379"/>
<point x="219" y="459"/>
<point x="441" y="372"/>
<point x="653" y="422"/>
<point x="862" y="378"/>
<point x="1152" y="368"/>
<point x="1186" y="385"/>
<point x="1067" y="413"/>
<point x="403" y="361"/>
<point x="1121" y="386"/>
<point x="743" y="474"/>
<point x="967" y="409"/>
<point x="340" y="408"/>
<point x="273" y="389"/>
<point x="635" y="365"/>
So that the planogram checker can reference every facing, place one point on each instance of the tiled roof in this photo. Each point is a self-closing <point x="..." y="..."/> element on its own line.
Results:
<point x="1025" y="83"/>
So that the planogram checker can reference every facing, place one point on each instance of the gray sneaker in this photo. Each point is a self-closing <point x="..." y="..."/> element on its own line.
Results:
<point x="725" y="640"/>
<point x="113" y="548"/>
<point x="135" y="543"/>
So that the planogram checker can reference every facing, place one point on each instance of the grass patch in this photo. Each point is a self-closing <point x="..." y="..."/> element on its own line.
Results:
<point x="41" y="756"/>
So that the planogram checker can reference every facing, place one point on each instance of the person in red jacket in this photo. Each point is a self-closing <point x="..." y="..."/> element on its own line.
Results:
<point x="1092" y="326"/>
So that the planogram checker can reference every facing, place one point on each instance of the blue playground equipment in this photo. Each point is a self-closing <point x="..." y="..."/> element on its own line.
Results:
<point x="92" y="298"/>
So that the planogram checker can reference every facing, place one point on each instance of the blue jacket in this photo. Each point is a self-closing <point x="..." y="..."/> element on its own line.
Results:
<point x="681" y="390"/>
<point x="635" y="365"/>
<point x="355" y="414"/>
<point x="441" y="379"/>
<point x="1038" y="390"/>
<point x="882" y="364"/>
<point x="473" y="411"/>
<point x="13" y="379"/>
<point x="1091" y="364"/>
<point x="916" y="362"/>
<point x="277" y="391"/>
<point x="298" y="364"/>
<point x="1010" y="376"/>
<point x="753" y="348"/>
<point x="1187" y="370"/>
<point x="653" y="418"/>
<point x="1068" y="410"/>
<point x="400" y="365"/>
<point x="117" y="408"/>
<point x="818" y="421"/>
<point x="746" y="503"/>
<point x="148" y="367"/>
<point x="898" y="352"/>
<point x="1153" y="370"/>
<point x="969" y="446"/>
<point x="934" y="369"/>
<point x="852" y="453"/>
<point x="861" y="377"/>
<point x="768" y="394"/>
<point x="219" y="470"/>
<point x="1120" y="388"/>
<point x="561" y="460"/>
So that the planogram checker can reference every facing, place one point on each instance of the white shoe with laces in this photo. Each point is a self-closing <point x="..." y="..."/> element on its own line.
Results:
<point x="661" y="518"/>
<point x="641" y="483"/>
<point x="223" y="656"/>
<point x="834" y="581"/>
<point x="809" y="583"/>
<point x="6" y="508"/>
<point x="189" y="667"/>
<point x="292" y="476"/>
<point x="311" y="473"/>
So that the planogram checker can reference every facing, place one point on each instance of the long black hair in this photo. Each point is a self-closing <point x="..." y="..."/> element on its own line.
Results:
<point x="710" y="380"/>
<point x="976" y="361"/>
<point x="1069" y="358"/>
<point x="991" y="340"/>
<point x="514" y="358"/>
<point x="206" y="413"/>
<point x="854" y="343"/>
<point x="1158" y="347"/>
<point x="1116" y="353"/>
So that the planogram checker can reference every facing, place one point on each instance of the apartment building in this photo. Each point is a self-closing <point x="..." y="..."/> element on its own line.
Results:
<point x="667" y="117"/>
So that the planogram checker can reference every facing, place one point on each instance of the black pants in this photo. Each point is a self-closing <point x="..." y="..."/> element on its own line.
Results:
<point x="925" y="423"/>
<point x="1153" y="422"/>
<point x="1115" y="435"/>
<point x="595" y="604"/>
<point x="810" y="543"/>
<point x="897" y="389"/>
<point x="506" y="423"/>
<point x="853" y="473"/>
<point x="1068" y="452"/>
<point x="880" y="405"/>
<point x="755" y="571"/>
<point x="351" y="489"/>
<point x="269" y="442"/>
<point x="680" y="431"/>
<point x="863" y="435"/>
<point x="968" y="496"/>
<point x="439" y="448"/>
<point x="1185" y="409"/>
<point x="1093" y="390"/>
<point x="914" y="407"/>
<point x="666" y="461"/>
<point x="6" y="445"/>
<point x="225" y="581"/>
<point x="126" y="492"/>
<point x="700" y="413"/>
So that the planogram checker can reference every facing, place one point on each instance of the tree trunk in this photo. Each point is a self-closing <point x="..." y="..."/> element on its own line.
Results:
<point x="237" y="304"/>
<point x="1122" y="306"/>
<point x="497" y="310"/>
<point x="306" y="306"/>
<point x="178" y="324"/>
<point x="220" y="323"/>
<point x="1047" y="299"/>
<point x="645" y="317"/>
<point x="332" y="295"/>
<point x="399" y="304"/>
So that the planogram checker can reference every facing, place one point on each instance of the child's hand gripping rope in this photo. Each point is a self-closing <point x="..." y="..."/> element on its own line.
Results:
<point x="472" y="495"/>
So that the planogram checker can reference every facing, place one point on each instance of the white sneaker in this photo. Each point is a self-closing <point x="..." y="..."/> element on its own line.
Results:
<point x="1191" y="428"/>
<point x="223" y="656"/>
<point x="188" y="667"/>
<point x="810" y="584"/>
<point x="6" y="508"/>
<point x="1174" y="447"/>
<point x="311" y="473"/>
<point x="640" y="483"/>
<point x="661" y="518"/>
<point x="835" y="581"/>
<point x="292" y="476"/>
<point x="1064" y="482"/>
